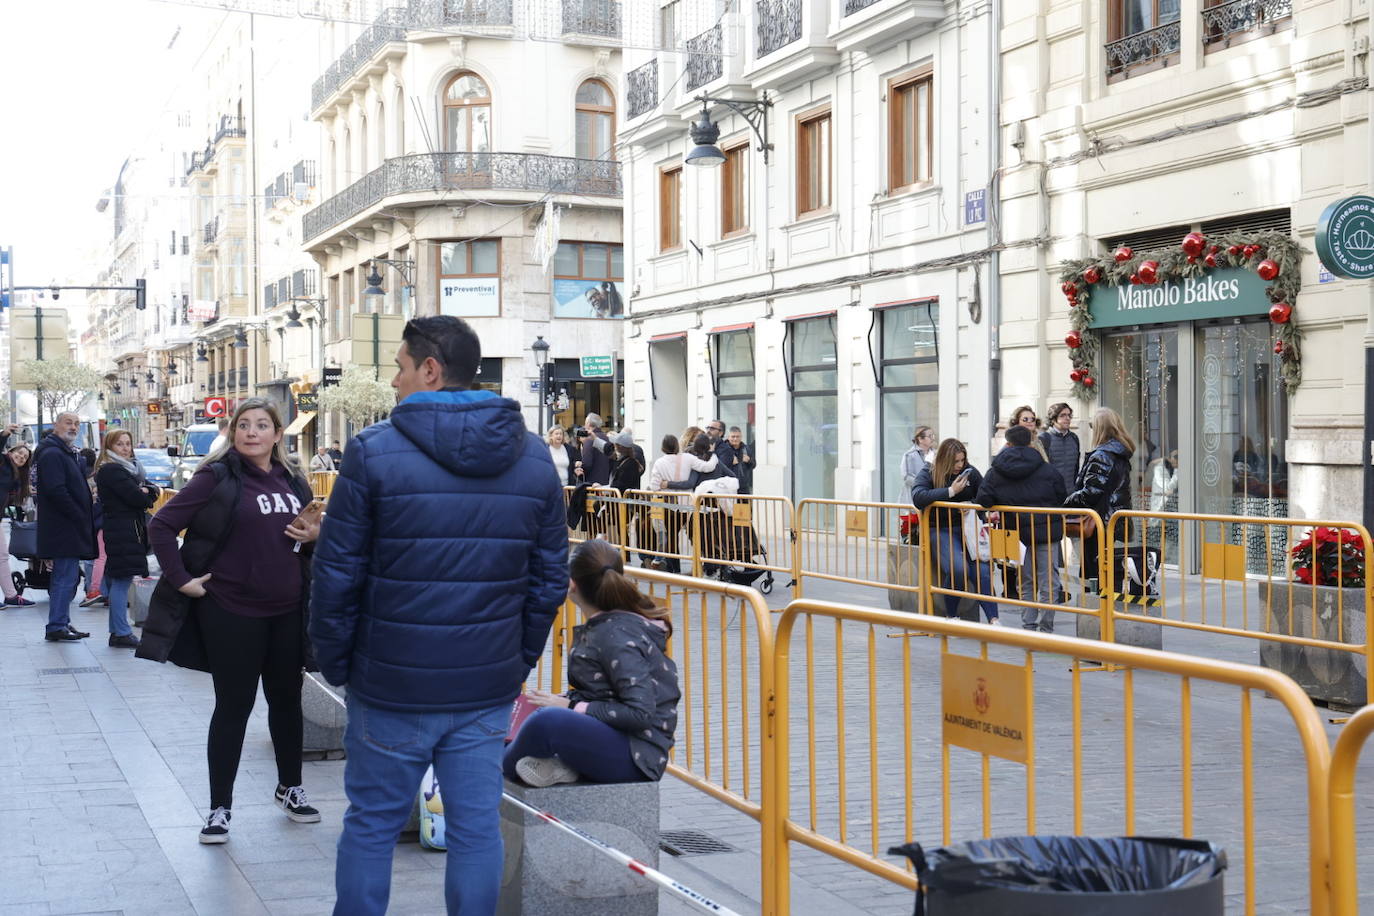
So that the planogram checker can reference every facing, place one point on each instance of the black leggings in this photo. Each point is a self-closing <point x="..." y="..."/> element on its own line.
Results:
<point x="242" y="649"/>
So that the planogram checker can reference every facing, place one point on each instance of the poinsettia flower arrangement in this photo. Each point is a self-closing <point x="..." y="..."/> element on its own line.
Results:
<point x="1329" y="556"/>
<point x="908" y="524"/>
<point x="1274" y="256"/>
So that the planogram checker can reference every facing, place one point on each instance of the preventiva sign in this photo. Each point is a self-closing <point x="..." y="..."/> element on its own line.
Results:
<point x="1225" y="292"/>
<point x="1345" y="237"/>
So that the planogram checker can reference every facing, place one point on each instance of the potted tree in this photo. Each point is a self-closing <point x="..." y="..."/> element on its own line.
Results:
<point x="1326" y="598"/>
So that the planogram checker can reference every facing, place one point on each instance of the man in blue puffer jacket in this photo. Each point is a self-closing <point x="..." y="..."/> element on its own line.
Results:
<point x="439" y="570"/>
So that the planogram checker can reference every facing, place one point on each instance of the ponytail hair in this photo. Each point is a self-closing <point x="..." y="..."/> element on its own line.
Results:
<point x="597" y="569"/>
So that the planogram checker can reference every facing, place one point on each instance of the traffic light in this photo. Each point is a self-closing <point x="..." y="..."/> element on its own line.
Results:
<point x="550" y="386"/>
<point x="140" y="294"/>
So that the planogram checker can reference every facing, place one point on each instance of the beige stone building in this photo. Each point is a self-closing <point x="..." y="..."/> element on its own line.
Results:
<point x="1137" y="121"/>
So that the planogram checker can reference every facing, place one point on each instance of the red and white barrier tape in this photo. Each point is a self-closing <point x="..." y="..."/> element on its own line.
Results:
<point x="633" y="864"/>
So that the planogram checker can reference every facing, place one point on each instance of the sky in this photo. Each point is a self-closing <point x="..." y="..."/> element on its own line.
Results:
<point x="87" y="77"/>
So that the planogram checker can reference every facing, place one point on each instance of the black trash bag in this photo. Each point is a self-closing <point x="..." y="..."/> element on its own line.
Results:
<point x="1069" y="876"/>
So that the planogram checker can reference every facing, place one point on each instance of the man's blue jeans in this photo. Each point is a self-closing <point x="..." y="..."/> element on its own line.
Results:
<point x="387" y="756"/>
<point x="61" y="591"/>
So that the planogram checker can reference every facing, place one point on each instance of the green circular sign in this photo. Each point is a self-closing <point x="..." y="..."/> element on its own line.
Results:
<point x="1345" y="237"/>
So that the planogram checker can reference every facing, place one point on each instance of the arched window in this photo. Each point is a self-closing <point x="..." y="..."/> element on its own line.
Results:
<point x="400" y="108"/>
<point x="595" y="128"/>
<point x="362" y="145"/>
<point x="467" y="115"/>
<point x="381" y="132"/>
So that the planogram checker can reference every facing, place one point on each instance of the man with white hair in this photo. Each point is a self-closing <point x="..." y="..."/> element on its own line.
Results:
<point x="66" y="521"/>
<point x="596" y="451"/>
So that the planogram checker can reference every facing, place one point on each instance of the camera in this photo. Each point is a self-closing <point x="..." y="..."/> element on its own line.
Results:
<point x="581" y="432"/>
<point x="56" y="292"/>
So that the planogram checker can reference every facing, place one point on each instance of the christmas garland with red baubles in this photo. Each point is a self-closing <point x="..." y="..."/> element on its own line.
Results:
<point x="1275" y="257"/>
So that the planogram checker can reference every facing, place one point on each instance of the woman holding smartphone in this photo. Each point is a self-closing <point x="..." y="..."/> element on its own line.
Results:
<point x="950" y="478"/>
<point x="233" y="599"/>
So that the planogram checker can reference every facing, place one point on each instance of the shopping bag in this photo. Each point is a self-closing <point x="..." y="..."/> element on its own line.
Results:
<point x="520" y="710"/>
<point x="977" y="541"/>
<point x="431" y="804"/>
<point x="24" y="540"/>
<point x="1137" y="571"/>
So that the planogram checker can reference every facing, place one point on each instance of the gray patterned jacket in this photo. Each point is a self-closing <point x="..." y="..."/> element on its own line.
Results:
<point x="618" y="666"/>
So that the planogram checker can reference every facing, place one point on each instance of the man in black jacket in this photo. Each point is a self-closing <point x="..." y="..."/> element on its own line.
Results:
<point x="744" y="459"/>
<point x="596" y="451"/>
<point x="1019" y="476"/>
<point x="66" y="521"/>
<point x="724" y="453"/>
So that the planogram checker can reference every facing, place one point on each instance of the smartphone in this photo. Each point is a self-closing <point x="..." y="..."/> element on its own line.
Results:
<point x="964" y="474"/>
<point x="311" y="513"/>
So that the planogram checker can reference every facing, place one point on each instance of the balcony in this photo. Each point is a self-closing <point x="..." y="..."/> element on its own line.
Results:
<point x="641" y="89"/>
<point x="211" y="232"/>
<point x="243" y="378"/>
<point x="439" y="172"/>
<point x="857" y="6"/>
<point x="779" y="23"/>
<point x="595" y="18"/>
<point x="704" y="58"/>
<point x="1141" y="52"/>
<point x="1239" y="21"/>
<point x="392" y="25"/>
<point x="229" y="128"/>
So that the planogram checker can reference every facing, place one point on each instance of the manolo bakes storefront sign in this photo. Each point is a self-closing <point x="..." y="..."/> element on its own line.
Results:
<point x="1221" y="293"/>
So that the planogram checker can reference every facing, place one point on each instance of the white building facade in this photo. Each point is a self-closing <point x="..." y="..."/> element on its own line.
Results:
<point x="482" y="165"/>
<point x="830" y="294"/>
<point x="1136" y="122"/>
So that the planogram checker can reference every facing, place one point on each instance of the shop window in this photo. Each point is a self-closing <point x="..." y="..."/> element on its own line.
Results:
<point x="908" y="373"/>
<point x="588" y="280"/>
<point x="813" y="162"/>
<point x="911" y="130"/>
<point x="469" y="275"/>
<point x="814" y="383"/>
<point x="733" y="367"/>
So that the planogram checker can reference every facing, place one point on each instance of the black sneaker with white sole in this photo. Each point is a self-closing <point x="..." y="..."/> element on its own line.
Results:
<point x="216" y="829"/>
<point x="293" y="802"/>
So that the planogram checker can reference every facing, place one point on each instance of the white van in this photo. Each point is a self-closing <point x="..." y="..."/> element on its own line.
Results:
<point x="196" y="441"/>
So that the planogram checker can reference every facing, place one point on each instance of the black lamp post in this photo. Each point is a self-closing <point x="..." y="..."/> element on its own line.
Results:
<point x="541" y="358"/>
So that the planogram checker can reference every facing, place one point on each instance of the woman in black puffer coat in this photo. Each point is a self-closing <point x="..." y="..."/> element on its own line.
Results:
<point x="616" y="723"/>
<point x="1104" y="483"/>
<point x="125" y="498"/>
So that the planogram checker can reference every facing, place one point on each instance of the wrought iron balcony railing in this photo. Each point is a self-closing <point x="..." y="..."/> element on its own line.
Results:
<point x="392" y="25"/>
<point x="704" y="58"/>
<point x="211" y="231"/>
<point x="1143" y="47"/>
<point x="484" y="171"/>
<point x="592" y="17"/>
<point x="853" y="6"/>
<point x="243" y="377"/>
<point x="641" y="88"/>
<point x="1221" y="23"/>
<point x="229" y="128"/>
<point x="779" y="24"/>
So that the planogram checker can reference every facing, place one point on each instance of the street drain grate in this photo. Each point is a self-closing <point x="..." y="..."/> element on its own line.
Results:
<point x="87" y="670"/>
<point x="691" y="843"/>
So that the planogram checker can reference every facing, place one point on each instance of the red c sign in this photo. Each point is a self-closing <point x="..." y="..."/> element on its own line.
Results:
<point x="216" y="407"/>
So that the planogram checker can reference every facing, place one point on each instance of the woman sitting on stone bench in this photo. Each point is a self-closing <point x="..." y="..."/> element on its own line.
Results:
<point x="617" y="720"/>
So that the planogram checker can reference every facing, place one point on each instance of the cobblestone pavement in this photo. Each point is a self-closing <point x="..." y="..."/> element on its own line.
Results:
<point x="102" y="777"/>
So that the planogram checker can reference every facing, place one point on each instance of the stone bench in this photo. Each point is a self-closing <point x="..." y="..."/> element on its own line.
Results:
<point x="550" y="871"/>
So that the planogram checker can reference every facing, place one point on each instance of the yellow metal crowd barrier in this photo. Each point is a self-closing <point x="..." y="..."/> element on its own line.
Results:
<point x="743" y="533"/>
<point x="989" y="713"/>
<point x="1267" y="579"/>
<point x="659" y="524"/>
<point x="600" y="515"/>
<point x="322" y="483"/>
<point x="163" y="499"/>
<point x="860" y="543"/>
<point x="1341" y="794"/>
<point x="1025" y="567"/>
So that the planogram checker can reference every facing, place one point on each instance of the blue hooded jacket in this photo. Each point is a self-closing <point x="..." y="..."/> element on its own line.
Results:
<point x="443" y="558"/>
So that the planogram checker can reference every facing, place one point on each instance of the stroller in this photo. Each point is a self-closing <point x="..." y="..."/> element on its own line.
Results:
<point x="734" y="544"/>
<point x="24" y="545"/>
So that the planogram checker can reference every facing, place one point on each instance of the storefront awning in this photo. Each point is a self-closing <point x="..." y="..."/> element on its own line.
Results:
<point x="301" y="422"/>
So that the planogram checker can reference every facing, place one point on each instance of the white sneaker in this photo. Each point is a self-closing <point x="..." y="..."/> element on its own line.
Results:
<point x="541" y="772"/>
<point x="996" y="621"/>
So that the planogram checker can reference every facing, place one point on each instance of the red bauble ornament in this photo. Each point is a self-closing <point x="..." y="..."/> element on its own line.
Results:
<point x="1279" y="347"/>
<point x="1249" y="250"/>
<point x="1267" y="269"/>
<point x="1089" y="381"/>
<point x="1148" y="271"/>
<point x="1068" y="288"/>
<point x="1214" y="249"/>
<point x="1234" y="250"/>
<point x="1280" y="313"/>
<point x="1123" y="254"/>
<point x="1076" y="375"/>
<point x="1210" y="260"/>
<point x="1092" y="275"/>
<point x="1193" y="244"/>
<point x="1135" y="279"/>
<point x="1074" y="340"/>
<point x="1192" y="259"/>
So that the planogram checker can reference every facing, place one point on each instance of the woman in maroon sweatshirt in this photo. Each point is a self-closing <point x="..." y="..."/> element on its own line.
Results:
<point x="246" y="607"/>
